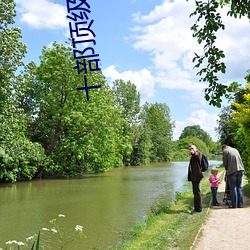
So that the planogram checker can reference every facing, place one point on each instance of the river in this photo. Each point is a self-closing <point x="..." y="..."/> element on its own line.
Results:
<point x="104" y="204"/>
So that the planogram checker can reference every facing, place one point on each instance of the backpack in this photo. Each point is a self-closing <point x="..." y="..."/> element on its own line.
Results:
<point x="204" y="163"/>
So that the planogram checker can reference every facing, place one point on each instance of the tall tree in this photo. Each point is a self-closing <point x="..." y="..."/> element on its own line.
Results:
<point x="79" y="135"/>
<point x="157" y="121"/>
<point x="12" y="51"/>
<point x="196" y="131"/>
<point x="208" y="23"/>
<point x="20" y="158"/>
<point x="128" y="100"/>
<point x="184" y="142"/>
<point x="229" y="130"/>
<point x="227" y="127"/>
<point x="241" y="115"/>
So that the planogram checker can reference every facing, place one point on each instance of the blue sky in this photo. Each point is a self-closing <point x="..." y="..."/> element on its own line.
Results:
<point x="148" y="42"/>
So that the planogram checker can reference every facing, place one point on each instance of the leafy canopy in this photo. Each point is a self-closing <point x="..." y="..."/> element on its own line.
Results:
<point x="205" y="28"/>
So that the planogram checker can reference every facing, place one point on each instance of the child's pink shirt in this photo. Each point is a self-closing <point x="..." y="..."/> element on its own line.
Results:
<point x="214" y="181"/>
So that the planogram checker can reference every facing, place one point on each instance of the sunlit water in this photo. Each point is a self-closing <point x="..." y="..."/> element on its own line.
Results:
<point x="105" y="204"/>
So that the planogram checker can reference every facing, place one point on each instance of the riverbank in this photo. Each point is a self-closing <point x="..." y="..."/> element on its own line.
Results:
<point x="172" y="227"/>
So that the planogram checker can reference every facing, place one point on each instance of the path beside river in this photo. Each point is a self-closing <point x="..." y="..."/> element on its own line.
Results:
<point x="225" y="228"/>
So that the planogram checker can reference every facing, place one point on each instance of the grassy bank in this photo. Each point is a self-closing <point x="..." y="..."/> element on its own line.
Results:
<point x="170" y="227"/>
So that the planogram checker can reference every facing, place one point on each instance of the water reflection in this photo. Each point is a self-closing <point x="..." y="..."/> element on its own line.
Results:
<point x="105" y="204"/>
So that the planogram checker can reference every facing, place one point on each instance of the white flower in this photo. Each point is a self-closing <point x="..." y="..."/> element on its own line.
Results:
<point x="20" y="243"/>
<point x="29" y="238"/>
<point x="45" y="229"/>
<point x="54" y="230"/>
<point x="78" y="228"/>
<point x="61" y="215"/>
<point x="10" y="242"/>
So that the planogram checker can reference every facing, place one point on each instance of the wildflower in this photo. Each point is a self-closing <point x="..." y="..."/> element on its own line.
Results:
<point x="10" y="242"/>
<point x="20" y="243"/>
<point x="54" y="230"/>
<point x="45" y="229"/>
<point x="29" y="238"/>
<point x="61" y="215"/>
<point x="78" y="228"/>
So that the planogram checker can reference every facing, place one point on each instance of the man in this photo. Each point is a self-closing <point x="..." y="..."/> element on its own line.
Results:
<point x="195" y="175"/>
<point x="235" y="170"/>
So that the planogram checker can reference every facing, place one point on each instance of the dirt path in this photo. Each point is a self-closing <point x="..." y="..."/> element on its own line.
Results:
<point x="225" y="228"/>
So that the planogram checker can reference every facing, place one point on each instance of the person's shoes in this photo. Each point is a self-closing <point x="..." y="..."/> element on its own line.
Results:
<point x="194" y="212"/>
<point x="240" y="206"/>
<point x="217" y="204"/>
<point x="231" y="206"/>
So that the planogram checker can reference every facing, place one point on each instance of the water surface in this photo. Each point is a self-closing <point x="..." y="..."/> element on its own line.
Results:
<point x="104" y="204"/>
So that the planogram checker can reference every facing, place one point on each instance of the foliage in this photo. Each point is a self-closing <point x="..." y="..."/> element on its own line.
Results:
<point x="196" y="131"/>
<point x="205" y="28"/>
<point x="78" y="135"/>
<point x="233" y="123"/>
<point x="215" y="148"/>
<point x="241" y="115"/>
<point x="156" y="121"/>
<point x="142" y="145"/>
<point x="181" y="154"/>
<point x="227" y="127"/>
<point x="12" y="50"/>
<point x="201" y="146"/>
<point x="127" y="98"/>
<point x="20" y="157"/>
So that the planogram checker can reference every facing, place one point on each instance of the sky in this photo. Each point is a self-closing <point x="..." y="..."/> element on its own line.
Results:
<point x="147" y="42"/>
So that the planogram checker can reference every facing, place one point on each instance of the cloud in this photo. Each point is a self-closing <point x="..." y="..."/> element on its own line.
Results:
<point x="43" y="14"/>
<point x="165" y="34"/>
<point x="143" y="80"/>
<point x="198" y="117"/>
<point x="234" y="41"/>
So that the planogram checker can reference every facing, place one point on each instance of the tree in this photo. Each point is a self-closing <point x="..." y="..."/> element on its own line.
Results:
<point x="142" y="145"/>
<point x="183" y="144"/>
<point x="229" y="130"/>
<point x="12" y="50"/>
<point x="227" y="127"/>
<point x="157" y="122"/>
<point x="242" y="116"/>
<point x="128" y="100"/>
<point x="20" y="158"/>
<point x="208" y="23"/>
<point x="196" y="131"/>
<point x="78" y="135"/>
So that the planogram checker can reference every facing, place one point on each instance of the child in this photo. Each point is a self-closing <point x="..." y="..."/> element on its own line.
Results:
<point x="214" y="185"/>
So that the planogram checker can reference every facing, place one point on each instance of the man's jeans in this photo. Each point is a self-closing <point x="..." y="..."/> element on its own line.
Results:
<point x="235" y="182"/>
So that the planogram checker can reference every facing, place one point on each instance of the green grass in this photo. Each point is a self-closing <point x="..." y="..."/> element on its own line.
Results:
<point x="170" y="226"/>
